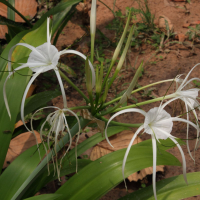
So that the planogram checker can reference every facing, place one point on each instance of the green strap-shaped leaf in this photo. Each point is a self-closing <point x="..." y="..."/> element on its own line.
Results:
<point x="69" y="162"/>
<point x="44" y="197"/>
<point x="97" y="178"/>
<point x="10" y="12"/>
<point x="16" y="173"/>
<point x="164" y="144"/>
<point x="170" y="189"/>
<point x="15" y="86"/>
<point x="39" y="169"/>
<point x="44" y="178"/>
<point x="35" y="37"/>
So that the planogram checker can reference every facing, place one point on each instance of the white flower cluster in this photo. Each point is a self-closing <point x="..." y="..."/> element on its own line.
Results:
<point x="42" y="59"/>
<point x="158" y="123"/>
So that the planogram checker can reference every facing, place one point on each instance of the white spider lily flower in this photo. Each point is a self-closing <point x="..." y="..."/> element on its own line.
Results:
<point x="158" y="123"/>
<point x="189" y="96"/>
<point x="41" y="59"/>
<point x="58" y="123"/>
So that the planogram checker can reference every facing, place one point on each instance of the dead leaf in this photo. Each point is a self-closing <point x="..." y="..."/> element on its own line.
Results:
<point x="120" y="141"/>
<point x="29" y="10"/>
<point x="180" y="37"/>
<point x="18" y="124"/>
<point x="20" y="144"/>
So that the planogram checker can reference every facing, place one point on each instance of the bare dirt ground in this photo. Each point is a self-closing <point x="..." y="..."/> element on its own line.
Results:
<point x="179" y="59"/>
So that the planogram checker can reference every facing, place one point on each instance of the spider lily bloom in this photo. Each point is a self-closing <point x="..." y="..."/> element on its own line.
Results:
<point x="158" y="123"/>
<point x="58" y="123"/>
<point x="189" y="97"/>
<point x="42" y="59"/>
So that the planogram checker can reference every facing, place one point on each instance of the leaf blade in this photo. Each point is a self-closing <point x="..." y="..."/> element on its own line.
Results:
<point x="106" y="172"/>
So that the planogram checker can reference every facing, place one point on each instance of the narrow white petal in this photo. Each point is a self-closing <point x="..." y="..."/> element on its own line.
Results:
<point x="25" y="45"/>
<point x="4" y="87"/>
<point x="169" y="101"/>
<point x="56" y="141"/>
<point x="41" y="131"/>
<point x="165" y="133"/>
<point x="70" y="138"/>
<point x="183" y="158"/>
<point x="184" y="120"/>
<point x="154" y="165"/>
<point x="24" y="97"/>
<point x="127" y="152"/>
<point x="188" y="76"/>
<point x="195" y="114"/>
<point x="187" y="141"/>
<point x="79" y="125"/>
<point x="61" y="87"/>
<point x="84" y="57"/>
<point x="119" y="113"/>
<point x="191" y="80"/>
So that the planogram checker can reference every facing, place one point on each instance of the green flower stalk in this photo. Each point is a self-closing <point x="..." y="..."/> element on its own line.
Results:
<point x="118" y="49"/>
<point x="105" y="93"/>
<point x="89" y="82"/>
<point x="99" y="78"/>
<point x="121" y="61"/>
<point x="127" y="94"/>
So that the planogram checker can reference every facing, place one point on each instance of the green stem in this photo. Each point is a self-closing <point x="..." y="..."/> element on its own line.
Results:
<point x="134" y="91"/>
<point x="97" y="100"/>
<point x="145" y="102"/>
<point x="121" y="124"/>
<point x="110" y="111"/>
<point x="74" y="86"/>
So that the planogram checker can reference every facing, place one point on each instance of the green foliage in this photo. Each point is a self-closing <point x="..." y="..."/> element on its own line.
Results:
<point x="16" y="173"/>
<point x="17" y="56"/>
<point x="193" y="32"/>
<point x="170" y="189"/>
<point x="45" y="197"/>
<point x="28" y="173"/>
<point x="106" y="172"/>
